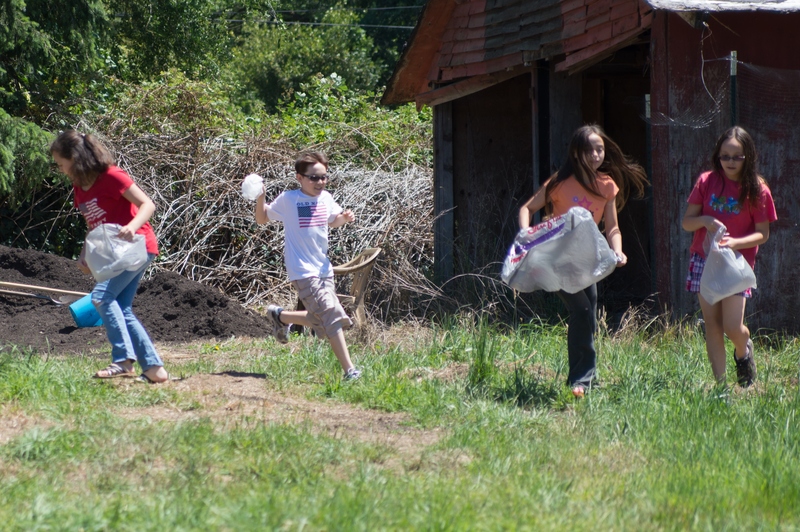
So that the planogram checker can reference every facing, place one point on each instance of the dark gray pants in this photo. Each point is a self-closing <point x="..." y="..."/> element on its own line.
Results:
<point x="582" y="307"/>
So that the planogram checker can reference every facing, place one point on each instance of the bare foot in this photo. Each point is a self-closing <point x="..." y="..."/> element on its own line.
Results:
<point x="157" y="374"/>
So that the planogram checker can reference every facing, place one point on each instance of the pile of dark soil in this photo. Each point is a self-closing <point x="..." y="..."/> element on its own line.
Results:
<point x="171" y="307"/>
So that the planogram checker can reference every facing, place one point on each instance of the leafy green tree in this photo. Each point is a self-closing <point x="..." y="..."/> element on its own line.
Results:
<point x="173" y="104"/>
<point x="274" y="59"/>
<point x="389" y="28"/>
<point x="24" y="157"/>
<point x="352" y="125"/>
<point x="48" y="52"/>
<point x="149" y="37"/>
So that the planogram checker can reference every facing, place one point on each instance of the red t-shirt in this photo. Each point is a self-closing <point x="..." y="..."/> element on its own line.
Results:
<point x="569" y="193"/>
<point x="104" y="203"/>
<point x="719" y="197"/>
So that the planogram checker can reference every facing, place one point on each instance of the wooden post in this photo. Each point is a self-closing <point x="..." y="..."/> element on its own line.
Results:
<point x="651" y="221"/>
<point x="443" y="226"/>
<point x="734" y="114"/>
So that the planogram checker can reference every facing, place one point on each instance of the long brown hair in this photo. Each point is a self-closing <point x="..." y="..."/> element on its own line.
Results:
<point x="750" y="180"/>
<point x="89" y="157"/>
<point x="627" y="174"/>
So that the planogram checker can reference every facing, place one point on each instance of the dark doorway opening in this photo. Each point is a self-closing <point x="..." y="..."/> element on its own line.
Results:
<point x="613" y="96"/>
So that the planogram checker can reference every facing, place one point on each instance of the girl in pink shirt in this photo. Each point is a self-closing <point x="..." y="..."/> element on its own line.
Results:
<point x="733" y="195"/>
<point x="598" y="177"/>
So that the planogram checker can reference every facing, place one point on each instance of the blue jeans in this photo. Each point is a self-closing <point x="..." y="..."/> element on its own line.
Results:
<point x="113" y="300"/>
<point x="582" y="324"/>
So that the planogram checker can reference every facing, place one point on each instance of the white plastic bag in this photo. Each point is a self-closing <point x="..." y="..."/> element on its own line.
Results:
<point x="566" y="252"/>
<point x="726" y="272"/>
<point x="252" y="187"/>
<point x="107" y="255"/>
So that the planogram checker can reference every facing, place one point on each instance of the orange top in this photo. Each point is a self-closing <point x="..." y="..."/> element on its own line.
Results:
<point x="570" y="193"/>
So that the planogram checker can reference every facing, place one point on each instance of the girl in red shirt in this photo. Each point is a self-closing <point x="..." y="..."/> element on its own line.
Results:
<point x="733" y="195"/>
<point x="596" y="175"/>
<point x="106" y="194"/>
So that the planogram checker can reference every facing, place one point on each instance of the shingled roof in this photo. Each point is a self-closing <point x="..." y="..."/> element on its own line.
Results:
<point x="490" y="40"/>
<point x="462" y="46"/>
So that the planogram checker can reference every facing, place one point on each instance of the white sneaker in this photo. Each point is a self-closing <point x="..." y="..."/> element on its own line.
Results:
<point x="352" y="374"/>
<point x="279" y="330"/>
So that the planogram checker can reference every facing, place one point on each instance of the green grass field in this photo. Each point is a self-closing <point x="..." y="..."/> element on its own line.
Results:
<point x="457" y="427"/>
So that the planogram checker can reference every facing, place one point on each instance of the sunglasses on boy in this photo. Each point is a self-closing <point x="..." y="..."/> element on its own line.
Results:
<point x="315" y="178"/>
<point x="727" y="158"/>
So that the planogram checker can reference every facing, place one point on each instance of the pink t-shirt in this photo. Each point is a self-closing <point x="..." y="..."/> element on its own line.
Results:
<point x="719" y="197"/>
<point x="569" y="193"/>
<point x="104" y="203"/>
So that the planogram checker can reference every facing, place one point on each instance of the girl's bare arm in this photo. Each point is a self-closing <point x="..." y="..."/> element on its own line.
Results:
<point x="760" y="236"/>
<point x="613" y="234"/>
<point x="145" y="207"/>
<point x="693" y="220"/>
<point x="531" y="207"/>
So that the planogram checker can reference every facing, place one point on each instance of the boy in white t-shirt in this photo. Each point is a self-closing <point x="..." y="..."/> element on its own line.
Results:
<point x="306" y="215"/>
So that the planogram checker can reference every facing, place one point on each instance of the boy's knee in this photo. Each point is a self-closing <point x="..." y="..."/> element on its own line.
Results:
<point x="335" y="329"/>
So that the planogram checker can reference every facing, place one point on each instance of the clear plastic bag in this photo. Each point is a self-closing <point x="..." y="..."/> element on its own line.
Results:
<point x="252" y="187"/>
<point x="566" y="252"/>
<point x="726" y="272"/>
<point x="107" y="255"/>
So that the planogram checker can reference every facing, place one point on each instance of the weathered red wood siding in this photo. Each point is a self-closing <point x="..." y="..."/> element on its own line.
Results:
<point x="487" y="36"/>
<point x="680" y="154"/>
<point x="492" y="135"/>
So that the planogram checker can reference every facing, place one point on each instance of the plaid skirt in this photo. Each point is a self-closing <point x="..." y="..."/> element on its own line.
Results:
<point x="696" y="266"/>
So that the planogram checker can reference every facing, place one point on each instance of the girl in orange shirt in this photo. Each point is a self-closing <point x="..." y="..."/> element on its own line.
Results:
<point x="598" y="177"/>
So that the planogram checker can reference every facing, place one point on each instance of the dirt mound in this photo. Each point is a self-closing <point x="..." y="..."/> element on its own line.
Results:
<point x="171" y="307"/>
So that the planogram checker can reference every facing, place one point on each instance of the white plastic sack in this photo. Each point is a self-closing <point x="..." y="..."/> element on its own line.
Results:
<point x="726" y="272"/>
<point x="252" y="187"/>
<point x="566" y="252"/>
<point x="107" y="255"/>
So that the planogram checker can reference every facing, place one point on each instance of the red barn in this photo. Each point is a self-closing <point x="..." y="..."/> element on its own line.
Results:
<point x="509" y="80"/>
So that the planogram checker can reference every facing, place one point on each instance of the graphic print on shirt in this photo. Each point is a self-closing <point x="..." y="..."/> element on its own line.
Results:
<point x="723" y="204"/>
<point x="92" y="212"/>
<point x="586" y="203"/>
<point x="312" y="214"/>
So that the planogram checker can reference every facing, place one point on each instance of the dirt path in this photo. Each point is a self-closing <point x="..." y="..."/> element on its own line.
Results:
<point x="230" y="399"/>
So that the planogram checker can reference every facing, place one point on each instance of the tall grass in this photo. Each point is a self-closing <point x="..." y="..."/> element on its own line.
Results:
<point x="656" y="447"/>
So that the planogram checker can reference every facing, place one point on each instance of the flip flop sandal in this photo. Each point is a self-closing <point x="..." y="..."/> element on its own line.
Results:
<point x="113" y="371"/>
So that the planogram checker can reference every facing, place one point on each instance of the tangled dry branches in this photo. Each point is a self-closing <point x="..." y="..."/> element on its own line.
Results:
<point x="207" y="231"/>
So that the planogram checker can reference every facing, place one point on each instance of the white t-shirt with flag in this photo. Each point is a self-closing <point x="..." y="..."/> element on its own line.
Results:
<point x="305" y="219"/>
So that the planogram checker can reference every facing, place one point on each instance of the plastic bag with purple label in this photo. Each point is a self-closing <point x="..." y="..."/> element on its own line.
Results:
<point x="726" y="272"/>
<point x="566" y="252"/>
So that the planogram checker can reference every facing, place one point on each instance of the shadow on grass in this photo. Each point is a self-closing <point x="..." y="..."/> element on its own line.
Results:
<point x="242" y="374"/>
<point x="525" y="388"/>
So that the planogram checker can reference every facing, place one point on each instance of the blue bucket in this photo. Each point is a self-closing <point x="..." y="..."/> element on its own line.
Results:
<point x="84" y="313"/>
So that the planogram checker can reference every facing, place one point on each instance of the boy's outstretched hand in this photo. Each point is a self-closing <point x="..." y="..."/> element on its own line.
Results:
<point x="342" y="218"/>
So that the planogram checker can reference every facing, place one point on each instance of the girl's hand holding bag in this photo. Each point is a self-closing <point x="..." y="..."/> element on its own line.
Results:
<point x="726" y="272"/>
